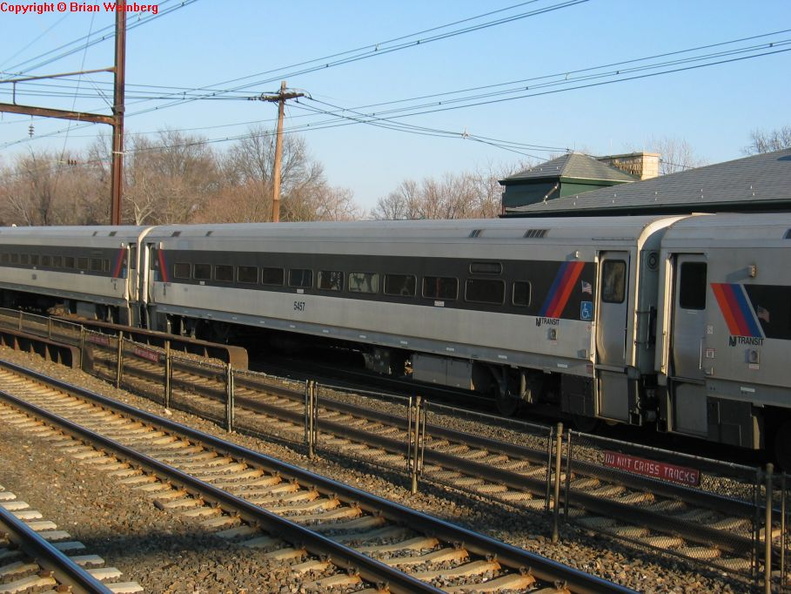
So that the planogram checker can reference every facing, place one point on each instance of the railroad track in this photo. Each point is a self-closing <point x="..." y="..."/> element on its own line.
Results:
<point x="719" y="530"/>
<point x="35" y="556"/>
<point x="291" y="514"/>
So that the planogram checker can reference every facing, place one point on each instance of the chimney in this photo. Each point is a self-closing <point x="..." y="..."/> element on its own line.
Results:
<point x="642" y="165"/>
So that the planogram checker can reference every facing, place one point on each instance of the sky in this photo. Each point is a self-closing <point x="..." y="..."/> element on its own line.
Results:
<point x="399" y="90"/>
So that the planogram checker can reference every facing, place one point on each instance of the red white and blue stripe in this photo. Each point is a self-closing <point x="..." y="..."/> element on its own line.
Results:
<point x="561" y="289"/>
<point x="737" y="310"/>
<point x="118" y="264"/>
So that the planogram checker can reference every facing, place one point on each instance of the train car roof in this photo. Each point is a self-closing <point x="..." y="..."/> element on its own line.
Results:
<point x="70" y="234"/>
<point x="573" y="229"/>
<point x="728" y="229"/>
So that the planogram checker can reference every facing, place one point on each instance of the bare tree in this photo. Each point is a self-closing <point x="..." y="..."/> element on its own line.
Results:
<point x="400" y="204"/>
<point x="320" y="202"/>
<point x="94" y="205"/>
<point x="246" y="195"/>
<point x="763" y="141"/>
<point x="675" y="154"/>
<point x="169" y="179"/>
<point x="40" y="189"/>
<point x="465" y="195"/>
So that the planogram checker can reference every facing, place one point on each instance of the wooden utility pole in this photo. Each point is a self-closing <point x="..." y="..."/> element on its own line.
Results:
<point x="280" y="98"/>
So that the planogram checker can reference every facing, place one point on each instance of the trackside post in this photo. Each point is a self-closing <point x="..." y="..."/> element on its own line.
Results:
<point x="416" y="437"/>
<point x="311" y="415"/>
<point x="556" y="496"/>
<point x="229" y="398"/>
<point x="768" y="530"/>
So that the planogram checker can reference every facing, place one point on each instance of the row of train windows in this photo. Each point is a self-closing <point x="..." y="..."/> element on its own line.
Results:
<point x="490" y="291"/>
<point x="47" y="261"/>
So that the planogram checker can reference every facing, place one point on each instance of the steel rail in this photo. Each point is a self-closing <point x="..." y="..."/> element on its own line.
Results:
<point x="701" y="534"/>
<point x="510" y="556"/>
<point x="64" y="569"/>
<point x="720" y="503"/>
<point x="368" y="568"/>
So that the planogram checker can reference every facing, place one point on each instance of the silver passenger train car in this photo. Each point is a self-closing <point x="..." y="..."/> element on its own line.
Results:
<point x="678" y="322"/>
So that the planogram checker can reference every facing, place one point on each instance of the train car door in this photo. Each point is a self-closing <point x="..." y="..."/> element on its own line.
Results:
<point x="611" y="327"/>
<point x="687" y="345"/>
<point x="146" y="279"/>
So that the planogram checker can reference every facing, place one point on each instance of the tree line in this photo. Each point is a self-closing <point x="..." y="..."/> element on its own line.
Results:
<point x="174" y="177"/>
<point x="171" y="177"/>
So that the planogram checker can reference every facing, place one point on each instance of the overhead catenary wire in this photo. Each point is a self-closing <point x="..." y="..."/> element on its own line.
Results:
<point x="340" y="115"/>
<point x="84" y="42"/>
<point x="390" y="114"/>
<point x="532" y="86"/>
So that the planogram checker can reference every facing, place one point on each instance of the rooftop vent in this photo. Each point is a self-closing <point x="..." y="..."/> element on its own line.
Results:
<point x="536" y="233"/>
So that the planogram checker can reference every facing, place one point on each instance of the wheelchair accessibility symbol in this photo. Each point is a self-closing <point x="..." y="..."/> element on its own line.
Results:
<point x="586" y="310"/>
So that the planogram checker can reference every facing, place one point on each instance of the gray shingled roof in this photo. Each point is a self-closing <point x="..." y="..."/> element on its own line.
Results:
<point x="571" y="166"/>
<point x="761" y="180"/>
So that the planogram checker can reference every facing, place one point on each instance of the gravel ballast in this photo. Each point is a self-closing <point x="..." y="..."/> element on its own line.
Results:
<point x="165" y="552"/>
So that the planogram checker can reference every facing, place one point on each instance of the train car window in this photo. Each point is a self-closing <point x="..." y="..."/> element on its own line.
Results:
<point x="46" y="260"/>
<point x="5" y="258"/>
<point x="331" y="280"/>
<point x="82" y="263"/>
<point x="202" y="272"/>
<point x="34" y="259"/>
<point x="440" y="287"/>
<point x="248" y="274"/>
<point x="106" y="265"/>
<point x="133" y="257"/>
<point x="24" y="259"/>
<point x="182" y="271"/>
<point x="272" y="276"/>
<point x="14" y="258"/>
<point x="400" y="284"/>
<point x="57" y="261"/>
<point x="363" y="282"/>
<point x="223" y="273"/>
<point x="692" y="285"/>
<point x="613" y="281"/>
<point x="486" y="268"/>
<point x="522" y="294"/>
<point x="96" y="264"/>
<point x="301" y="278"/>
<point x="478" y="290"/>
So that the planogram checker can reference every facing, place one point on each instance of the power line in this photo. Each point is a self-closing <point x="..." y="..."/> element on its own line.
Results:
<point x="339" y="117"/>
<point x="561" y="79"/>
<point x="366" y="52"/>
<point x="84" y="42"/>
<point x="644" y="67"/>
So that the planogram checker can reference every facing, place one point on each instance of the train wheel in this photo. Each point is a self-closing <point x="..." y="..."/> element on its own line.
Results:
<point x="782" y="446"/>
<point x="507" y="403"/>
<point x="585" y="424"/>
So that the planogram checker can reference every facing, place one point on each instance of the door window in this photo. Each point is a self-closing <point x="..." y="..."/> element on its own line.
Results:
<point x="692" y="286"/>
<point x="613" y="281"/>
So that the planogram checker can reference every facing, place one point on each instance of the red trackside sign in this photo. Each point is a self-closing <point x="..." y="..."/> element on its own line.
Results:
<point x="659" y="470"/>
